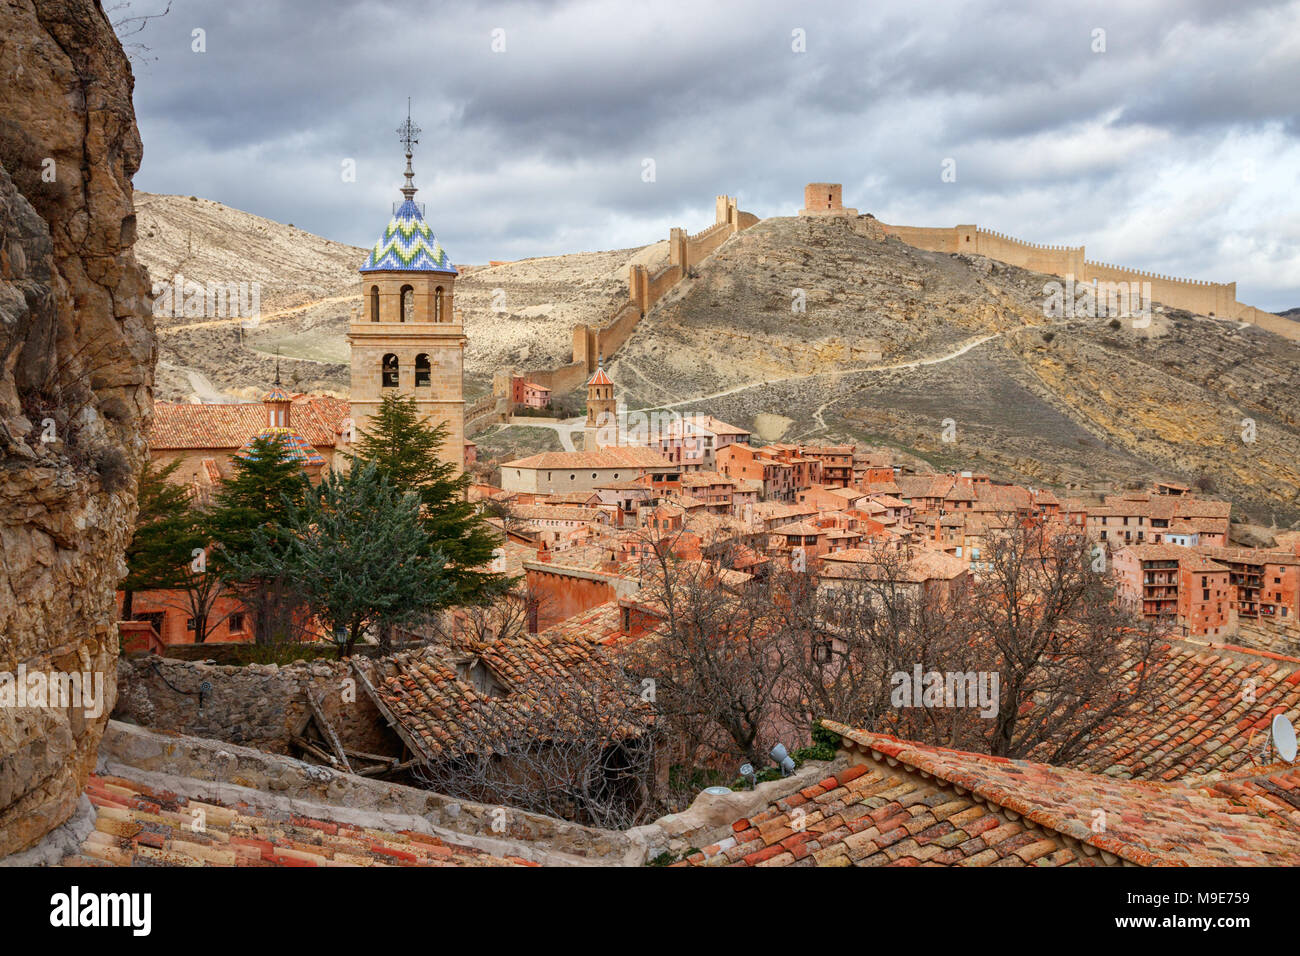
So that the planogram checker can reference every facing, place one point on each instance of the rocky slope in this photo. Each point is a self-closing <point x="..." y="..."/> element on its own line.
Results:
<point x="891" y="342"/>
<point x="77" y="351"/>
<point x="895" y="341"/>
<point x="309" y="288"/>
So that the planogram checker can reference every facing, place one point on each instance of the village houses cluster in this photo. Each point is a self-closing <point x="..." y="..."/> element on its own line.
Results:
<point x="579" y="534"/>
<point x="575" y="522"/>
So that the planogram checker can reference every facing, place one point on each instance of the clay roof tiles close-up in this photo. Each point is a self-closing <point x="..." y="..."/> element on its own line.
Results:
<point x="540" y="683"/>
<point x="1210" y="715"/>
<point x="140" y="825"/>
<point x="906" y="804"/>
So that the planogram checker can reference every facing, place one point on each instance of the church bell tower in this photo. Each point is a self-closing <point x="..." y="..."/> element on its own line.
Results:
<point x="601" y="428"/>
<point x="407" y="337"/>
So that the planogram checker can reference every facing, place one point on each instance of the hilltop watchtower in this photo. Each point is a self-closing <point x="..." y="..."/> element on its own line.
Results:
<point x="408" y="338"/>
<point x="824" y="199"/>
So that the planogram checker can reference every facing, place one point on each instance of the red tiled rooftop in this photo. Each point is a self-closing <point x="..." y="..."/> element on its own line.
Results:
<point x="443" y="714"/>
<point x="139" y="825"/>
<point x="907" y="804"/>
<point x="318" y="418"/>
<point x="1209" y="716"/>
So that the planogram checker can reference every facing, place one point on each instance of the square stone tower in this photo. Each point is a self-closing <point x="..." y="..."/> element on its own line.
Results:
<point x="408" y="337"/>
<point x="601" y="428"/>
<point x="824" y="199"/>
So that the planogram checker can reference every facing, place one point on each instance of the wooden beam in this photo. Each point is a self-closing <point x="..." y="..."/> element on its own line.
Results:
<point x="328" y="731"/>
<point x="378" y="758"/>
<point x="374" y="771"/>
<point x="301" y="727"/>
<point x="407" y="739"/>
<point x="315" y="751"/>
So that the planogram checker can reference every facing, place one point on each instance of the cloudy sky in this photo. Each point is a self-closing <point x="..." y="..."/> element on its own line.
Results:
<point x="1168" y="142"/>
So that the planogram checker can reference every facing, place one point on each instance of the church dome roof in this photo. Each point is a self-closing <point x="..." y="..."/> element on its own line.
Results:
<point x="408" y="245"/>
<point x="295" y="447"/>
<point x="277" y="394"/>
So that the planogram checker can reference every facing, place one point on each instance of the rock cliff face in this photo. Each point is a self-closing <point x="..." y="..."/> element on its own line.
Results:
<point x="76" y="360"/>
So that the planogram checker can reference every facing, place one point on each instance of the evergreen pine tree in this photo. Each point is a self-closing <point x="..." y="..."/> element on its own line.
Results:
<point x="405" y="447"/>
<point x="265" y="488"/>
<point x="357" y="554"/>
<point x="165" y="535"/>
<point x="253" y="508"/>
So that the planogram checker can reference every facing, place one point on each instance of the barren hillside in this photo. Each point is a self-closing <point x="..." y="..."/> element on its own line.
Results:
<point x="309" y="289"/>
<point x="891" y="342"/>
<point x="894" y="341"/>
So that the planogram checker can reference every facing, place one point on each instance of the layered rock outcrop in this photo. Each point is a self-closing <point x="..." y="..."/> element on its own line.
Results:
<point x="76" y="359"/>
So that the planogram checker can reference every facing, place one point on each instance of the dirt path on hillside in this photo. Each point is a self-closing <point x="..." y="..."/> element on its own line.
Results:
<point x="264" y="317"/>
<point x="207" y="393"/>
<point x="565" y="431"/>
<point x="913" y="363"/>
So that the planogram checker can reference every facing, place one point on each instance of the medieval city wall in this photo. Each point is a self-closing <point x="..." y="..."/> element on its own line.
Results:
<point x="611" y="338"/>
<point x="644" y="290"/>
<point x="1057" y="260"/>
<point x="706" y="241"/>
<point x="930" y="239"/>
<point x="1202" y="297"/>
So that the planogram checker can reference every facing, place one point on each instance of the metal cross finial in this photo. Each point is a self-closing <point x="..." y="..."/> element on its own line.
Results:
<point x="408" y="132"/>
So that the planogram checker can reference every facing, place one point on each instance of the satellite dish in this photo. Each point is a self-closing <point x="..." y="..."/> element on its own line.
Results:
<point x="1282" y="734"/>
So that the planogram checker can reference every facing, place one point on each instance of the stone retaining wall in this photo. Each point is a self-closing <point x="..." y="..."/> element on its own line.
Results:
<point x="258" y="705"/>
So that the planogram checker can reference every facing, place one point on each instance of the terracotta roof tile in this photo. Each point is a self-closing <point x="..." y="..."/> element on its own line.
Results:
<point x="136" y="825"/>
<point x="318" y="418"/>
<point x="631" y="456"/>
<point x="906" y="804"/>
<point x="431" y="693"/>
<point x="1208" y="717"/>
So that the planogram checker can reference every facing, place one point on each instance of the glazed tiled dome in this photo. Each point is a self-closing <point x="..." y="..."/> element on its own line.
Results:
<point x="408" y="245"/>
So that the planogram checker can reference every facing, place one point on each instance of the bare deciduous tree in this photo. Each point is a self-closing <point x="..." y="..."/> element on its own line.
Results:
<point x="855" y="631"/>
<point x="1069" y="657"/>
<point x="716" y="656"/>
<point x="739" y="666"/>
<point x="586" y="753"/>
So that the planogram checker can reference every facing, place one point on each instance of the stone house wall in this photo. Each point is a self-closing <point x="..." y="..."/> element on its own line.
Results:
<point x="258" y="705"/>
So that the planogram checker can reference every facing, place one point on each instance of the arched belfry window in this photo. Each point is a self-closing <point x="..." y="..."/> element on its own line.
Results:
<point x="374" y="303"/>
<point x="423" y="370"/>
<point x="390" y="369"/>
<point x="408" y="304"/>
<point x="438" y="305"/>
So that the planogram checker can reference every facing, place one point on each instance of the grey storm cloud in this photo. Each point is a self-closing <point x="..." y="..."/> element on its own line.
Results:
<point x="1177" y="149"/>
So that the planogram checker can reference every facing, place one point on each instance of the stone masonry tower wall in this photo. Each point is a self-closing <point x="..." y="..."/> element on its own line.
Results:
<point x="423" y="356"/>
<point x="407" y="338"/>
<point x="824" y="199"/>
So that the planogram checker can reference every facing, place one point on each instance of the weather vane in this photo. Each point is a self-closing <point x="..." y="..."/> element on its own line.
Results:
<point x="408" y="132"/>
